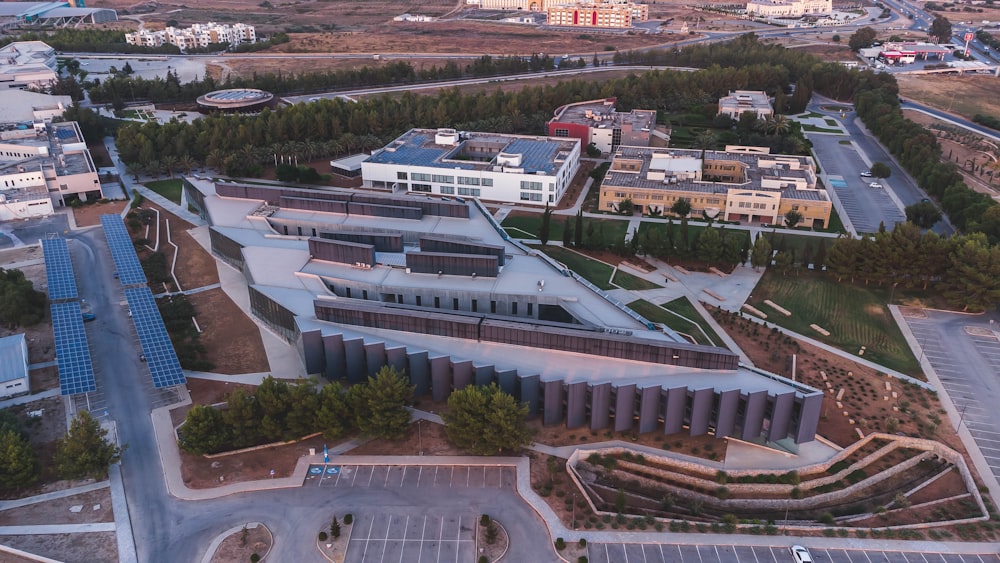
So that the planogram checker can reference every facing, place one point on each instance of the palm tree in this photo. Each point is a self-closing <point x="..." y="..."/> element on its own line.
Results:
<point x="134" y="170"/>
<point x="169" y="163"/>
<point x="187" y="162"/>
<point x="779" y="125"/>
<point x="216" y="159"/>
<point x="247" y="154"/>
<point x="705" y="140"/>
<point x="153" y="168"/>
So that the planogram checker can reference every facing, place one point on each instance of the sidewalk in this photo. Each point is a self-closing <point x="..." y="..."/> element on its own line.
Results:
<point x="24" y="399"/>
<point x="27" y="501"/>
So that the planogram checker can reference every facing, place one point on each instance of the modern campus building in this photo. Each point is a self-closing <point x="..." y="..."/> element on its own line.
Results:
<point x="14" y="366"/>
<point x="27" y="64"/>
<point x="490" y="166"/>
<point x="744" y="184"/>
<point x="194" y="37"/>
<point x="236" y="100"/>
<point x="746" y="101"/>
<point x="526" y="5"/>
<point x="58" y="14"/>
<point x="43" y="166"/>
<point x="434" y="287"/>
<point x="615" y="15"/>
<point x="598" y="122"/>
<point x="788" y="8"/>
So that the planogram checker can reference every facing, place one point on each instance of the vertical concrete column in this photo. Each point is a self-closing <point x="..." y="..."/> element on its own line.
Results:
<point x="701" y="411"/>
<point x="419" y="372"/>
<point x="649" y="408"/>
<point x="396" y="357"/>
<point x="809" y="419"/>
<point x="781" y="416"/>
<point x="576" y="404"/>
<point x="552" y="393"/>
<point x="507" y="379"/>
<point x="312" y="351"/>
<point x="600" y="406"/>
<point x="624" y="407"/>
<point x="753" y="421"/>
<point x="462" y="374"/>
<point x="440" y="378"/>
<point x="530" y="389"/>
<point x="673" y="409"/>
<point x="355" y="360"/>
<point x="374" y="357"/>
<point x="333" y="348"/>
<point x="484" y="375"/>
<point x="729" y="402"/>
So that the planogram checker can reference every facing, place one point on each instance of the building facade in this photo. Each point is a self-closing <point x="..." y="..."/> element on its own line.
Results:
<point x="788" y="8"/>
<point x="490" y="166"/>
<point x="615" y="15"/>
<point x="45" y="166"/>
<point x="434" y="287"/>
<point x="14" y="366"/>
<point x="27" y="64"/>
<point x="198" y="36"/>
<point x="746" y="101"/>
<point x="598" y="122"/>
<point x="742" y="184"/>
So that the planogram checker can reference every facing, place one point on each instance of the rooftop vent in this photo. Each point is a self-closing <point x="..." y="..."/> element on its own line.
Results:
<point x="446" y="137"/>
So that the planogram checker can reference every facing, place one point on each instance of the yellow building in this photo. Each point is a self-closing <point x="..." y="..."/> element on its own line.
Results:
<point x="742" y="184"/>
<point x="599" y="14"/>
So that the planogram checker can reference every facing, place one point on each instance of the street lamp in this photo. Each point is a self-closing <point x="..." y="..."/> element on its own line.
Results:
<point x="574" y="511"/>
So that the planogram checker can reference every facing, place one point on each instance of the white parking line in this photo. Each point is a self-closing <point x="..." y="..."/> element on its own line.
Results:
<point x="339" y="473"/>
<point x="371" y="476"/>
<point x="403" y="476"/>
<point x="356" y="471"/>
<point x="423" y="532"/>
<point x="436" y="467"/>
<point x="385" y="542"/>
<point x="406" y="528"/>
<point x="458" y="538"/>
<point x="367" y="539"/>
<point x="440" y="535"/>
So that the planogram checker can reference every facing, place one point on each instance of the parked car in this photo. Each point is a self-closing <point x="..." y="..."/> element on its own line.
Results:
<point x="875" y="185"/>
<point x="801" y="554"/>
<point x="866" y="174"/>
<point x="87" y="317"/>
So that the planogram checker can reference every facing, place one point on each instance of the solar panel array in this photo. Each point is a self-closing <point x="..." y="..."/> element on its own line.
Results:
<point x="122" y="251"/>
<point x="59" y="269"/>
<point x="76" y="372"/>
<point x="156" y="345"/>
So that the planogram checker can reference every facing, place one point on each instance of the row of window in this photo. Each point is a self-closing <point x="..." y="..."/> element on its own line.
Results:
<point x="748" y="205"/>
<point x="531" y="196"/>
<point x="527" y="185"/>
<point x="444" y="179"/>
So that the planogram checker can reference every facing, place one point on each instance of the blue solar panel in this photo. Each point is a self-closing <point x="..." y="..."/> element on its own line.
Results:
<point x="122" y="251"/>
<point x="156" y="345"/>
<point x="76" y="372"/>
<point x="58" y="269"/>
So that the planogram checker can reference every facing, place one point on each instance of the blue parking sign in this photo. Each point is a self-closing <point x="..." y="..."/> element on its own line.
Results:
<point x="332" y="470"/>
<point x="315" y="470"/>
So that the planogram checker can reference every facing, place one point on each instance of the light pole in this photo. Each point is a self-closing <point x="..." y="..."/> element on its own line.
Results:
<point x="574" y="511"/>
<point x="420" y="441"/>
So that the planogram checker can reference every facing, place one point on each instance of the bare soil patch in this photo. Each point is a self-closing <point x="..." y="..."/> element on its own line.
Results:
<point x="965" y="150"/>
<point x="71" y="548"/>
<point x="242" y="544"/>
<point x="422" y="436"/>
<point x="208" y="392"/>
<point x="232" y="341"/>
<point x="706" y="447"/>
<point x="10" y="256"/>
<point x="90" y="214"/>
<point x="57" y="511"/>
<point x="829" y="52"/>
<point x="44" y="379"/>
<point x="949" y="484"/>
<point x="195" y="266"/>
<point x="335" y="549"/>
<point x="200" y="472"/>
<point x="493" y="551"/>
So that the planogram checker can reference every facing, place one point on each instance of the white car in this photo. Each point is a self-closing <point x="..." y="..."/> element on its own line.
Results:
<point x="801" y="554"/>
<point x="866" y="174"/>
<point x="875" y="185"/>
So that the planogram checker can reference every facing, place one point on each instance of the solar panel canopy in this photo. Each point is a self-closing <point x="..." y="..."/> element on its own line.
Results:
<point x="156" y="346"/>
<point x="122" y="251"/>
<point x="76" y="371"/>
<point x="59" y="269"/>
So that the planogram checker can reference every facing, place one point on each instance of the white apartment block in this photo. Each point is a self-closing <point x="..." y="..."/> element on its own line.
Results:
<point x="489" y="166"/>
<point x="196" y="36"/>
<point x="746" y="101"/>
<point x="788" y="8"/>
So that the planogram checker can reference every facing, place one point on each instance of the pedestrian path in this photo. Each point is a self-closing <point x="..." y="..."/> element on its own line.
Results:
<point x="169" y="205"/>
<point x="54" y="529"/>
<point x="54" y="495"/>
<point x="246" y="378"/>
<point x="190" y="291"/>
<point x="25" y="399"/>
<point x="42" y="365"/>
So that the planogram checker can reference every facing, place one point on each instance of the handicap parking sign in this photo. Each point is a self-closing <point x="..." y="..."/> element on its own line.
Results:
<point x="315" y="470"/>
<point x="332" y="470"/>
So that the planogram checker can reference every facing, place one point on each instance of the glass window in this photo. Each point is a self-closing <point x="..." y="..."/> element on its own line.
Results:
<point x="447" y="190"/>
<point x="474" y="192"/>
<point x="401" y="175"/>
<point x="442" y="179"/>
<point x="487" y="182"/>
<point x="420" y="177"/>
<point x="425" y="188"/>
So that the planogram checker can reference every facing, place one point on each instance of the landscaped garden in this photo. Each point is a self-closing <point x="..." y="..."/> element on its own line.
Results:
<point x="681" y="316"/>
<point x="170" y="189"/>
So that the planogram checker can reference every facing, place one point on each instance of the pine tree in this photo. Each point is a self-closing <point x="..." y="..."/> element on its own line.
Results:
<point x="332" y="418"/>
<point x="819" y="260"/>
<point x="379" y="406"/>
<point x="486" y="420"/>
<point x="543" y="230"/>
<point x="204" y="431"/>
<point x="578" y="229"/>
<point x="18" y="461"/>
<point x="84" y="451"/>
<point x="335" y="528"/>
<point x="567" y="232"/>
<point x="760" y="257"/>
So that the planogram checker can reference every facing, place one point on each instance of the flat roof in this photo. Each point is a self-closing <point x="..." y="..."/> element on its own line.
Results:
<point x="417" y="147"/>
<point x="352" y="162"/>
<point x="584" y="113"/>
<point x="19" y="106"/>
<point x="12" y="360"/>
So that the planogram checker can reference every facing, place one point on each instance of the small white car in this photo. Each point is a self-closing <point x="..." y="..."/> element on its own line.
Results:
<point x="801" y="554"/>
<point x="866" y="174"/>
<point x="875" y="185"/>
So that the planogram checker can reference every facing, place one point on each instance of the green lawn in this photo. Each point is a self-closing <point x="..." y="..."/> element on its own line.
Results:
<point x="814" y="129"/>
<point x="527" y="227"/>
<point x="170" y="189"/>
<point x="626" y="280"/>
<point x="597" y="273"/>
<point x="681" y="306"/>
<point x="693" y="229"/>
<point x="855" y="316"/>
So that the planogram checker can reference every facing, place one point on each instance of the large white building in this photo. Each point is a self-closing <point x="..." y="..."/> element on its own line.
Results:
<point x="44" y="166"/>
<point x="746" y="101"/>
<point x="14" y="366"/>
<point x="196" y="36"/>
<point x="490" y="166"/>
<point x="788" y="8"/>
<point x="27" y="64"/>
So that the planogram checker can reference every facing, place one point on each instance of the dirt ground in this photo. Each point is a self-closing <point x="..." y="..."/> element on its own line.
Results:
<point x="422" y="436"/>
<point x="43" y="432"/>
<point x="44" y="379"/>
<point x="576" y="186"/>
<point x="322" y="166"/>
<point x="90" y="214"/>
<point x="493" y="551"/>
<point x="961" y="152"/>
<point x="705" y="447"/>
<point x="232" y="341"/>
<point x="242" y="544"/>
<point x="57" y="511"/>
<point x="964" y="95"/>
<point x="41" y="341"/>
<point x="335" y="549"/>
<point x="200" y="472"/>
<point x="208" y="392"/>
<point x="70" y="548"/>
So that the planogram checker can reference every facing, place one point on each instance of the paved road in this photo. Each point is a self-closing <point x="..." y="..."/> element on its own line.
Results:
<point x="674" y="553"/>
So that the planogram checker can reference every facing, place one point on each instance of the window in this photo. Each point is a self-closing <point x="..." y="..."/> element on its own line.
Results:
<point x="420" y="177"/>
<point x="437" y="302"/>
<point x="487" y="182"/>
<point x="426" y="188"/>
<point x="419" y="301"/>
<point x="402" y="185"/>
<point x="493" y="307"/>
<point x="474" y="192"/>
<point x="530" y="307"/>
<point x="562" y="132"/>
<point x="454" y="303"/>
<point x="475" y="305"/>
<point x="448" y="190"/>
<point x="552" y="187"/>
<point x="619" y="194"/>
<point x="525" y="185"/>
<point x="401" y="175"/>
<point x="513" y="308"/>
<point x="442" y="179"/>
<point x="530" y="196"/>
<point x="468" y="181"/>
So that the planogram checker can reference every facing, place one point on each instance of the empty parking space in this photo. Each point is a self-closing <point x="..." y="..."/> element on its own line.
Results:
<point x="673" y="553"/>
<point x="417" y="537"/>
<point x="408" y="476"/>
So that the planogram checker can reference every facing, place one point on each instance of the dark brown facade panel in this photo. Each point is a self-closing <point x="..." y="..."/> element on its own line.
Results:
<point x="462" y="374"/>
<point x="452" y="264"/>
<point x="430" y="243"/>
<point x="552" y="402"/>
<point x="753" y="421"/>
<point x="312" y="351"/>
<point x="781" y="414"/>
<point x="649" y="408"/>
<point x="374" y="357"/>
<point x="441" y="379"/>
<point x="673" y="409"/>
<point x="390" y="211"/>
<point x="600" y="406"/>
<point x="624" y="407"/>
<point x="809" y="417"/>
<point x="333" y="348"/>
<point x="485" y="375"/>
<point x="701" y="410"/>
<point x="383" y="242"/>
<point x="576" y="404"/>
<point x="226" y="248"/>
<point x="313" y="204"/>
<point x="419" y="372"/>
<point x="342" y="252"/>
<point x="427" y="206"/>
<point x="726" y="417"/>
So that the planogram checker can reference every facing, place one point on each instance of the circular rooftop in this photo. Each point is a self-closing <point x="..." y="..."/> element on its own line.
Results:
<point x="236" y="99"/>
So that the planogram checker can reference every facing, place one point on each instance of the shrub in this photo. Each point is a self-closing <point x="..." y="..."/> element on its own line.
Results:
<point x="582" y="559"/>
<point x="484" y="559"/>
<point x="348" y="519"/>
<point x="322" y="536"/>
<point x="560" y="544"/>
<point x="582" y="542"/>
<point x="826" y="518"/>
<point x="484" y="520"/>
<point x="254" y="558"/>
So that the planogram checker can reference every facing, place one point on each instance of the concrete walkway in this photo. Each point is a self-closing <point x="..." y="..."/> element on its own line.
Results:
<point x="51" y="529"/>
<point x="41" y="365"/>
<point x="54" y="495"/>
<point x="24" y="399"/>
<point x="246" y="378"/>
<point x="119" y="506"/>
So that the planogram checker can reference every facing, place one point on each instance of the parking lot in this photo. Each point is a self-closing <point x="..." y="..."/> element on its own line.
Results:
<point x="413" y="538"/>
<point x="673" y="553"/>
<point x="401" y="476"/>
<point x="965" y="354"/>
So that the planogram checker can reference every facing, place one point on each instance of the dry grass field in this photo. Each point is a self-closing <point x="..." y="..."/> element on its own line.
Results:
<point x="962" y="95"/>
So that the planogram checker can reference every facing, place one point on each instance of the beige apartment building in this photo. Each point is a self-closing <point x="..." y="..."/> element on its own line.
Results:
<point x="597" y="14"/>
